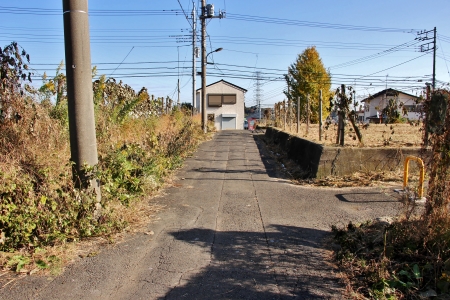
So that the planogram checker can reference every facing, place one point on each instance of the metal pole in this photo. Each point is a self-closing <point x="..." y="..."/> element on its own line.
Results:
<point x="320" y="115"/>
<point x="83" y="143"/>
<point x="204" y="115"/>
<point x="194" y="44"/>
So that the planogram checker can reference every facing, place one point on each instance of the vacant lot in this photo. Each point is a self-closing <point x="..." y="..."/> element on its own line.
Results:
<point x="376" y="135"/>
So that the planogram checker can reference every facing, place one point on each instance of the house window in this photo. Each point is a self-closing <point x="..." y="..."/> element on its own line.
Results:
<point x="229" y="99"/>
<point x="412" y="108"/>
<point x="215" y="100"/>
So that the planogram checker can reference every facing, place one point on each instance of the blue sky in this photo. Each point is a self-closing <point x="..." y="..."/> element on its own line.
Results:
<point x="146" y="43"/>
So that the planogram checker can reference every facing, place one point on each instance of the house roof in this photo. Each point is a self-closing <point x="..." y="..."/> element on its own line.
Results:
<point x="388" y="92"/>
<point x="227" y="83"/>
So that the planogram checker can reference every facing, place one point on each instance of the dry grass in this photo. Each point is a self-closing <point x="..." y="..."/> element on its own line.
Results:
<point x="376" y="135"/>
<point x="39" y="142"/>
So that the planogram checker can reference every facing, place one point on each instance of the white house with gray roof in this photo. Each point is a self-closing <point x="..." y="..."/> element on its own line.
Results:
<point x="374" y="105"/>
<point x="224" y="104"/>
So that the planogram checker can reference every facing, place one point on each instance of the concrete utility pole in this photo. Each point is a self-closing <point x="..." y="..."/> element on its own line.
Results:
<point x="207" y="13"/>
<point x="204" y="116"/>
<point x="194" y="56"/>
<point x="83" y="143"/>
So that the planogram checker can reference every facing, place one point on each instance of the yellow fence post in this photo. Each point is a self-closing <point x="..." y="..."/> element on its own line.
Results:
<point x="421" y="176"/>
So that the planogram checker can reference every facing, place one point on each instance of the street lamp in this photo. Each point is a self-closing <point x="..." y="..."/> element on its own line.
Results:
<point x="217" y="50"/>
<point x="204" y="62"/>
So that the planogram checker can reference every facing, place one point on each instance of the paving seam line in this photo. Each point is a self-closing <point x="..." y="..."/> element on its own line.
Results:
<point x="264" y="228"/>
<point x="218" y="207"/>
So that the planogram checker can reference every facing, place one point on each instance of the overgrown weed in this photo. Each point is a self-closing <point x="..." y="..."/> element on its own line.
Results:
<point x="410" y="257"/>
<point x="42" y="211"/>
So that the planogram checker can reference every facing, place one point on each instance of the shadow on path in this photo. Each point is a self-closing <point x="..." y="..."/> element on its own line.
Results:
<point x="364" y="198"/>
<point x="286" y="262"/>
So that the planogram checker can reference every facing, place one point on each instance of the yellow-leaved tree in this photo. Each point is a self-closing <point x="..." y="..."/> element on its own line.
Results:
<point x="306" y="76"/>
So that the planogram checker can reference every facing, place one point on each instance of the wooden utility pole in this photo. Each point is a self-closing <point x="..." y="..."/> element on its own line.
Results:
<point x="83" y="143"/>
<point x="284" y="115"/>
<point x="320" y="115"/>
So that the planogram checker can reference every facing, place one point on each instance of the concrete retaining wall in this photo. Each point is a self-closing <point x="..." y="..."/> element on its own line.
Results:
<point x="318" y="161"/>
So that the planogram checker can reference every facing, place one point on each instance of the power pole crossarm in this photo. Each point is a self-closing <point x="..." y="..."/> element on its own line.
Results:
<point x="426" y="47"/>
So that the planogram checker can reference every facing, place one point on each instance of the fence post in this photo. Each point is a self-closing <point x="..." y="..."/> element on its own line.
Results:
<point x="289" y="115"/>
<point x="320" y="115"/>
<point x="298" y="114"/>
<point x="341" y="117"/>
<point x="307" y="114"/>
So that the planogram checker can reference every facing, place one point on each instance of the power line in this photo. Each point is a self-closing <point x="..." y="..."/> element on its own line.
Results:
<point x="185" y="15"/>
<point x="448" y="72"/>
<point x="122" y="61"/>
<point x="396" y="65"/>
<point x="314" y="24"/>
<point x="92" y="12"/>
<point x="377" y="55"/>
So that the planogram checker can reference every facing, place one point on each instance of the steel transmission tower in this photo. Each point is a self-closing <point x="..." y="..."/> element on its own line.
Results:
<point x="258" y="92"/>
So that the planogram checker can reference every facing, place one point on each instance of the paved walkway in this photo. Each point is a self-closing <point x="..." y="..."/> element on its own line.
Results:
<point x="232" y="229"/>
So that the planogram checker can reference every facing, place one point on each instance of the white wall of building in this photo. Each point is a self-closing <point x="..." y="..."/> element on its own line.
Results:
<point x="237" y="109"/>
<point x="377" y="104"/>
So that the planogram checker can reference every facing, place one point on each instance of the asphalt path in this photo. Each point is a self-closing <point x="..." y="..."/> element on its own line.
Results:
<point x="233" y="228"/>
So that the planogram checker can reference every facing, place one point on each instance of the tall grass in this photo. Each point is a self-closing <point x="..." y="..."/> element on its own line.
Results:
<point x="409" y="258"/>
<point x="38" y="201"/>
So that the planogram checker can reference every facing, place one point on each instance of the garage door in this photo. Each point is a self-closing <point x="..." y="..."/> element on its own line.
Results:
<point x="228" y="122"/>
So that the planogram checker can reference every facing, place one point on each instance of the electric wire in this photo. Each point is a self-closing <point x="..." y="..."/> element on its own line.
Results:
<point x="446" y="65"/>
<point x="280" y="21"/>
<point x="121" y="62"/>
<point x="93" y="12"/>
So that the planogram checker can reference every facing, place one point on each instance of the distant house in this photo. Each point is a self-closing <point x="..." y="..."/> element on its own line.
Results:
<point x="224" y="104"/>
<point x="374" y="105"/>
